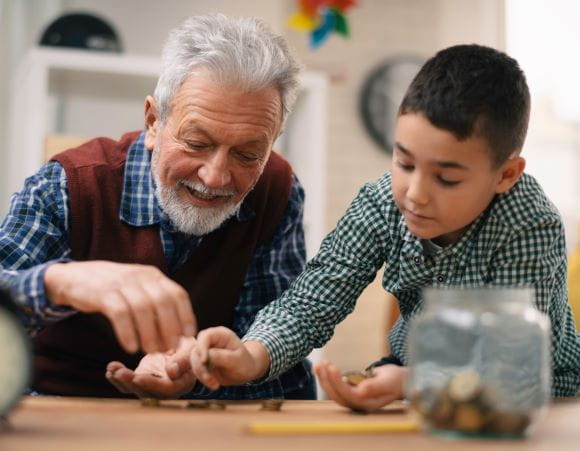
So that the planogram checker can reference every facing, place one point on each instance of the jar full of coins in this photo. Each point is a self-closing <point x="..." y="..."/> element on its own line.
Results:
<point x="479" y="362"/>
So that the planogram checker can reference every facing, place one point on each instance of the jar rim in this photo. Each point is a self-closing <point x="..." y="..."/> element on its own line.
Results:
<point x="476" y="294"/>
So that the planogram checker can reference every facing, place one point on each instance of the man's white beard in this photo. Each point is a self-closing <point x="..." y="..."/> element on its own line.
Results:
<point x="188" y="218"/>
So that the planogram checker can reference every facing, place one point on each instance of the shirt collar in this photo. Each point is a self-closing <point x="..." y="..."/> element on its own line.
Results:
<point x="459" y="250"/>
<point x="139" y="205"/>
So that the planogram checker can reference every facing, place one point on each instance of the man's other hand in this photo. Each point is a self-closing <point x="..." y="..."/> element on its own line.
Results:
<point x="221" y="358"/>
<point x="147" y="310"/>
<point x="162" y="376"/>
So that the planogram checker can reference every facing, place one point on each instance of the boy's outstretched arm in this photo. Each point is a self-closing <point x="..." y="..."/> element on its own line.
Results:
<point x="221" y="358"/>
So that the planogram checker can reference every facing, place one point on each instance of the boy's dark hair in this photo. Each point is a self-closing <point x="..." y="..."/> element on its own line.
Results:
<point x="469" y="89"/>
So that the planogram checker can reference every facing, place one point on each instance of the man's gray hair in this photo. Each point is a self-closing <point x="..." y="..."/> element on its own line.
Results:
<point x="243" y="52"/>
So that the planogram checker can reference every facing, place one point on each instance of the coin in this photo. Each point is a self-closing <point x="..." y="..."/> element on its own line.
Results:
<point x="423" y="401"/>
<point x="356" y="377"/>
<point x="510" y="423"/>
<point x="197" y="404"/>
<point x="150" y="402"/>
<point x="465" y="386"/>
<point x="442" y="411"/>
<point x="216" y="405"/>
<point x="468" y="418"/>
<point x="272" y="404"/>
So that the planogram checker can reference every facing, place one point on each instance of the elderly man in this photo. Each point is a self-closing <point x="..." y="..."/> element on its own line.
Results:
<point x="119" y="246"/>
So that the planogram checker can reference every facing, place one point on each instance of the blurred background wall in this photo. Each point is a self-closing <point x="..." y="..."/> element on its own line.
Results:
<point x="379" y="29"/>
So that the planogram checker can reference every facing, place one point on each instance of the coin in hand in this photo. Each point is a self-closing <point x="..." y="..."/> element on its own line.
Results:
<point x="356" y="377"/>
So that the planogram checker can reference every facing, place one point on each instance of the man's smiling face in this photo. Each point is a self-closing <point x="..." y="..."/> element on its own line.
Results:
<point x="211" y="151"/>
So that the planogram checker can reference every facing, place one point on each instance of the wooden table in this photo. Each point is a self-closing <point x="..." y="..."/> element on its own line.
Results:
<point x="52" y="423"/>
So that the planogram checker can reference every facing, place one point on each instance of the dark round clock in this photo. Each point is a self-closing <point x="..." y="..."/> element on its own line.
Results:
<point x="15" y="358"/>
<point x="381" y="95"/>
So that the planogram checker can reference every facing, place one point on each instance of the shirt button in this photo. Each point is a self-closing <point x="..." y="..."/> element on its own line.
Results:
<point x="417" y="260"/>
<point x="440" y="278"/>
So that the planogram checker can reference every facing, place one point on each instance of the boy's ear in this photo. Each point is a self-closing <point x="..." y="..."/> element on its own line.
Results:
<point x="151" y="122"/>
<point x="510" y="173"/>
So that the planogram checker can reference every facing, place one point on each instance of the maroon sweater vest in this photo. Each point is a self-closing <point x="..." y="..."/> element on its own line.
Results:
<point x="70" y="356"/>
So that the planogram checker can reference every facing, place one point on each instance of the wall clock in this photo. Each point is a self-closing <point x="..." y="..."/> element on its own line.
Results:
<point x="381" y="94"/>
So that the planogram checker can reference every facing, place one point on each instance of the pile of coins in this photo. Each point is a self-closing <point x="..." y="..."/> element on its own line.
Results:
<point x="466" y="405"/>
<point x="210" y="404"/>
<point x="150" y="402"/>
<point x="356" y="377"/>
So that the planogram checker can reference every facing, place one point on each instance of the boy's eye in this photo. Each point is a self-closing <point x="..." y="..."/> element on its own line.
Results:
<point x="404" y="166"/>
<point x="446" y="182"/>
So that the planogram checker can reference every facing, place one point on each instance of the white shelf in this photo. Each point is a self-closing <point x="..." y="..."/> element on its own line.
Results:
<point x="33" y="112"/>
<point x="90" y="61"/>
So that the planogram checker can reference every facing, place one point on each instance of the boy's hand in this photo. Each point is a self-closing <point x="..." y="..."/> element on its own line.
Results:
<point x="221" y="358"/>
<point x="162" y="376"/>
<point x="386" y="385"/>
<point x="147" y="310"/>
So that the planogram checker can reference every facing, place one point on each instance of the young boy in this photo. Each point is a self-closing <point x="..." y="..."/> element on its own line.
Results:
<point x="456" y="209"/>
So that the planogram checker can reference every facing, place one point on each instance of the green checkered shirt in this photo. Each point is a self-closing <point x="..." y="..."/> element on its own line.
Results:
<point x="517" y="240"/>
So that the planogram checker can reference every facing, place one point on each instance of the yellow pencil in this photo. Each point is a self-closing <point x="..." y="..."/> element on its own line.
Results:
<point x="335" y="427"/>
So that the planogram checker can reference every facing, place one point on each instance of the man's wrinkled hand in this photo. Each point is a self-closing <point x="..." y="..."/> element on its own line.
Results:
<point x="147" y="310"/>
<point x="162" y="376"/>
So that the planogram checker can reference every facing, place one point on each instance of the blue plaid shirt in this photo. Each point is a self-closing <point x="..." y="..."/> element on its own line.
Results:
<point x="34" y="235"/>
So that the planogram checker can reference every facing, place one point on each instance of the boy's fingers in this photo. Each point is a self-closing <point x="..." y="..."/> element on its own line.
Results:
<point x="218" y="337"/>
<point x="201" y="346"/>
<point x="199" y="369"/>
<point x="219" y="358"/>
<point x="341" y="388"/>
<point x="209" y="381"/>
<point x="344" y="390"/>
<point x="195" y="359"/>
<point x="350" y="396"/>
<point x="328" y="387"/>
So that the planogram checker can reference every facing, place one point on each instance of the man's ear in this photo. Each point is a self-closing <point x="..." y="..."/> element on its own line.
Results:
<point x="510" y="173"/>
<point x="151" y="122"/>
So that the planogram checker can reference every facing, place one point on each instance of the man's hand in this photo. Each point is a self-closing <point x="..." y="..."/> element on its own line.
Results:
<point x="147" y="310"/>
<point x="385" y="386"/>
<point x="220" y="358"/>
<point x="162" y="376"/>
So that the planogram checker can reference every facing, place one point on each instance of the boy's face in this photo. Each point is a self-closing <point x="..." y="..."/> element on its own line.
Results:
<point x="441" y="184"/>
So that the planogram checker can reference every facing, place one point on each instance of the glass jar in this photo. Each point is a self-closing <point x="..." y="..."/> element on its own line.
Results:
<point x="479" y="362"/>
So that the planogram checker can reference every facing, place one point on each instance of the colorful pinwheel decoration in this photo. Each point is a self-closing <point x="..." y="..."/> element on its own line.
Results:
<point x="320" y="18"/>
